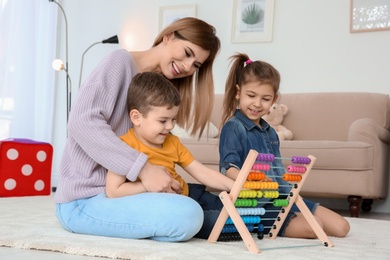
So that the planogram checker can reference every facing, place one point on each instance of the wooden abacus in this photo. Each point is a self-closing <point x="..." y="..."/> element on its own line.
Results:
<point x="229" y="209"/>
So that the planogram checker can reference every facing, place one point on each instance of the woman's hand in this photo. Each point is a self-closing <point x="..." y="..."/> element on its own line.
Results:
<point x="157" y="179"/>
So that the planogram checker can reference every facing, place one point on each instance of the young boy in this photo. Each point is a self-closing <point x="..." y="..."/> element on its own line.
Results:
<point x="153" y="103"/>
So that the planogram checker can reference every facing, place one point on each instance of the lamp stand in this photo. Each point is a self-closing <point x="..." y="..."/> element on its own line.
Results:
<point x="66" y="68"/>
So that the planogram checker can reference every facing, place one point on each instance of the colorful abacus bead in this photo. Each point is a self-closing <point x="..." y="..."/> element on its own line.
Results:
<point x="256" y="176"/>
<point x="271" y="185"/>
<point x="265" y="157"/>
<point x="296" y="169"/>
<point x="292" y="177"/>
<point x="260" y="227"/>
<point x="300" y="160"/>
<point x="271" y="194"/>
<point x="260" y="235"/>
<point x="230" y="228"/>
<point x="251" y="211"/>
<point x="246" y="220"/>
<point x="229" y="237"/>
<point x="261" y="167"/>
<point x="251" y="219"/>
<point x="280" y="203"/>
<point x="245" y="203"/>
<point x="250" y="194"/>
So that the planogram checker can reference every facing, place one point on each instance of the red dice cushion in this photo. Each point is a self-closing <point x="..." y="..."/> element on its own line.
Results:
<point x="25" y="168"/>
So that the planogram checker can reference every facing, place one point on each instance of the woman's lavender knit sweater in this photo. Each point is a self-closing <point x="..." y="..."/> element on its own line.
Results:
<point x="96" y="120"/>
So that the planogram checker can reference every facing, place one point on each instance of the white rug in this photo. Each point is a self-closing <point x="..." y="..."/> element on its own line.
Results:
<point x="30" y="223"/>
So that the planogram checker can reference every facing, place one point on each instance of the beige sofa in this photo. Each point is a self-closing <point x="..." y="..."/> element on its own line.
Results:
<point x="348" y="133"/>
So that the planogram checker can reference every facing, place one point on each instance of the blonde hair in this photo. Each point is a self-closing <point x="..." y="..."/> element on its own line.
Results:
<point x="242" y="71"/>
<point x="195" y="109"/>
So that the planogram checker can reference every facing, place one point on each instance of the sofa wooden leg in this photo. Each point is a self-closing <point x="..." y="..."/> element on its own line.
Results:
<point x="354" y="205"/>
<point x="366" y="204"/>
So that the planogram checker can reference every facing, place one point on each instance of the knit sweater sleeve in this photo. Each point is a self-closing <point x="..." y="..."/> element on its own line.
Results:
<point x="99" y="116"/>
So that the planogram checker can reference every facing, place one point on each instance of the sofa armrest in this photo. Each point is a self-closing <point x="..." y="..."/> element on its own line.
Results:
<point x="369" y="131"/>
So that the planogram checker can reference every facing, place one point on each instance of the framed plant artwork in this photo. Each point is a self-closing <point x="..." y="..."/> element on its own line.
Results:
<point x="369" y="15"/>
<point x="252" y="21"/>
<point x="169" y="14"/>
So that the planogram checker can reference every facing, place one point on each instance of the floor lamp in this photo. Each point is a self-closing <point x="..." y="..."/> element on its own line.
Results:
<point x="59" y="65"/>
<point x="112" y="40"/>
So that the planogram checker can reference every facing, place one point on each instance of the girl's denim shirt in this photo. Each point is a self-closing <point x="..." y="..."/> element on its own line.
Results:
<point x="239" y="135"/>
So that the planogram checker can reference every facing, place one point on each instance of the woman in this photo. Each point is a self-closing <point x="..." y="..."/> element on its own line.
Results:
<point x="184" y="50"/>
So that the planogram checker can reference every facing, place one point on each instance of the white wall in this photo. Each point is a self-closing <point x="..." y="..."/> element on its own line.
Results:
<point x="311" y="47"/>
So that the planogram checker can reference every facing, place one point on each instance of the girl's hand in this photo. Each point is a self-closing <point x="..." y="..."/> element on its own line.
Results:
<point x="267" y="179"/>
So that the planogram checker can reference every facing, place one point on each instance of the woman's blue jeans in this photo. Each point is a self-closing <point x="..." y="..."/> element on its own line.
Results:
<point x="158" y="216"/>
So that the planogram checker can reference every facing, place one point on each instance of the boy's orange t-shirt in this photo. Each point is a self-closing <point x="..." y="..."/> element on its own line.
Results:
<point x="172" y="152"/>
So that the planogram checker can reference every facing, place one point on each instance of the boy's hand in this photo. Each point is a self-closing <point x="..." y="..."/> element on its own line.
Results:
<point x="175" y="186"/>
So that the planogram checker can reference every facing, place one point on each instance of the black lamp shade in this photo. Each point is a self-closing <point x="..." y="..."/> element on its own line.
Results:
<point x="113" y="39"/>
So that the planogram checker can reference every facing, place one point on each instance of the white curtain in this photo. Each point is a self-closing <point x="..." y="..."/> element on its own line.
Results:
<point x="27" y="47"/>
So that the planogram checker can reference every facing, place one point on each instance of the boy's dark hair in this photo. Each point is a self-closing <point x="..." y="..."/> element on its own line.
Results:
<point x="149" y="89"/>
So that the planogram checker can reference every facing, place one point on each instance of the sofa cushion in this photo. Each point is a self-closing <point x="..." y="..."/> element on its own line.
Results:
<point x="204" y="150"/>
<point x="211" y="131"/>
<point x="331" y="154"/>
<point x="328" y="116"/>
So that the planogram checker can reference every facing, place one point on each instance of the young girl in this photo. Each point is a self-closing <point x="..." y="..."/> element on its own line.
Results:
<point x="251" y="89"/>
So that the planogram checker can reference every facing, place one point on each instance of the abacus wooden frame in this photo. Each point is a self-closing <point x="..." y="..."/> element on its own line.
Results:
<point x="229" y="209"/>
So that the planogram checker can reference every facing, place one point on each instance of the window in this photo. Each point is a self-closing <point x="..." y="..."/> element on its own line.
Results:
<point x="27" y="48"/>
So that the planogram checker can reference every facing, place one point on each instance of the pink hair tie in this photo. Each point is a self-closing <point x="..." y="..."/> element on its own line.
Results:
<point x="248" y="61"/>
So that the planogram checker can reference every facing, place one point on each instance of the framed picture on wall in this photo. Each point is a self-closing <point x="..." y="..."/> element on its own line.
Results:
<point x="369" y="15"/>
<point x="252" y="21"/>
<point x="169" y="14"/>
